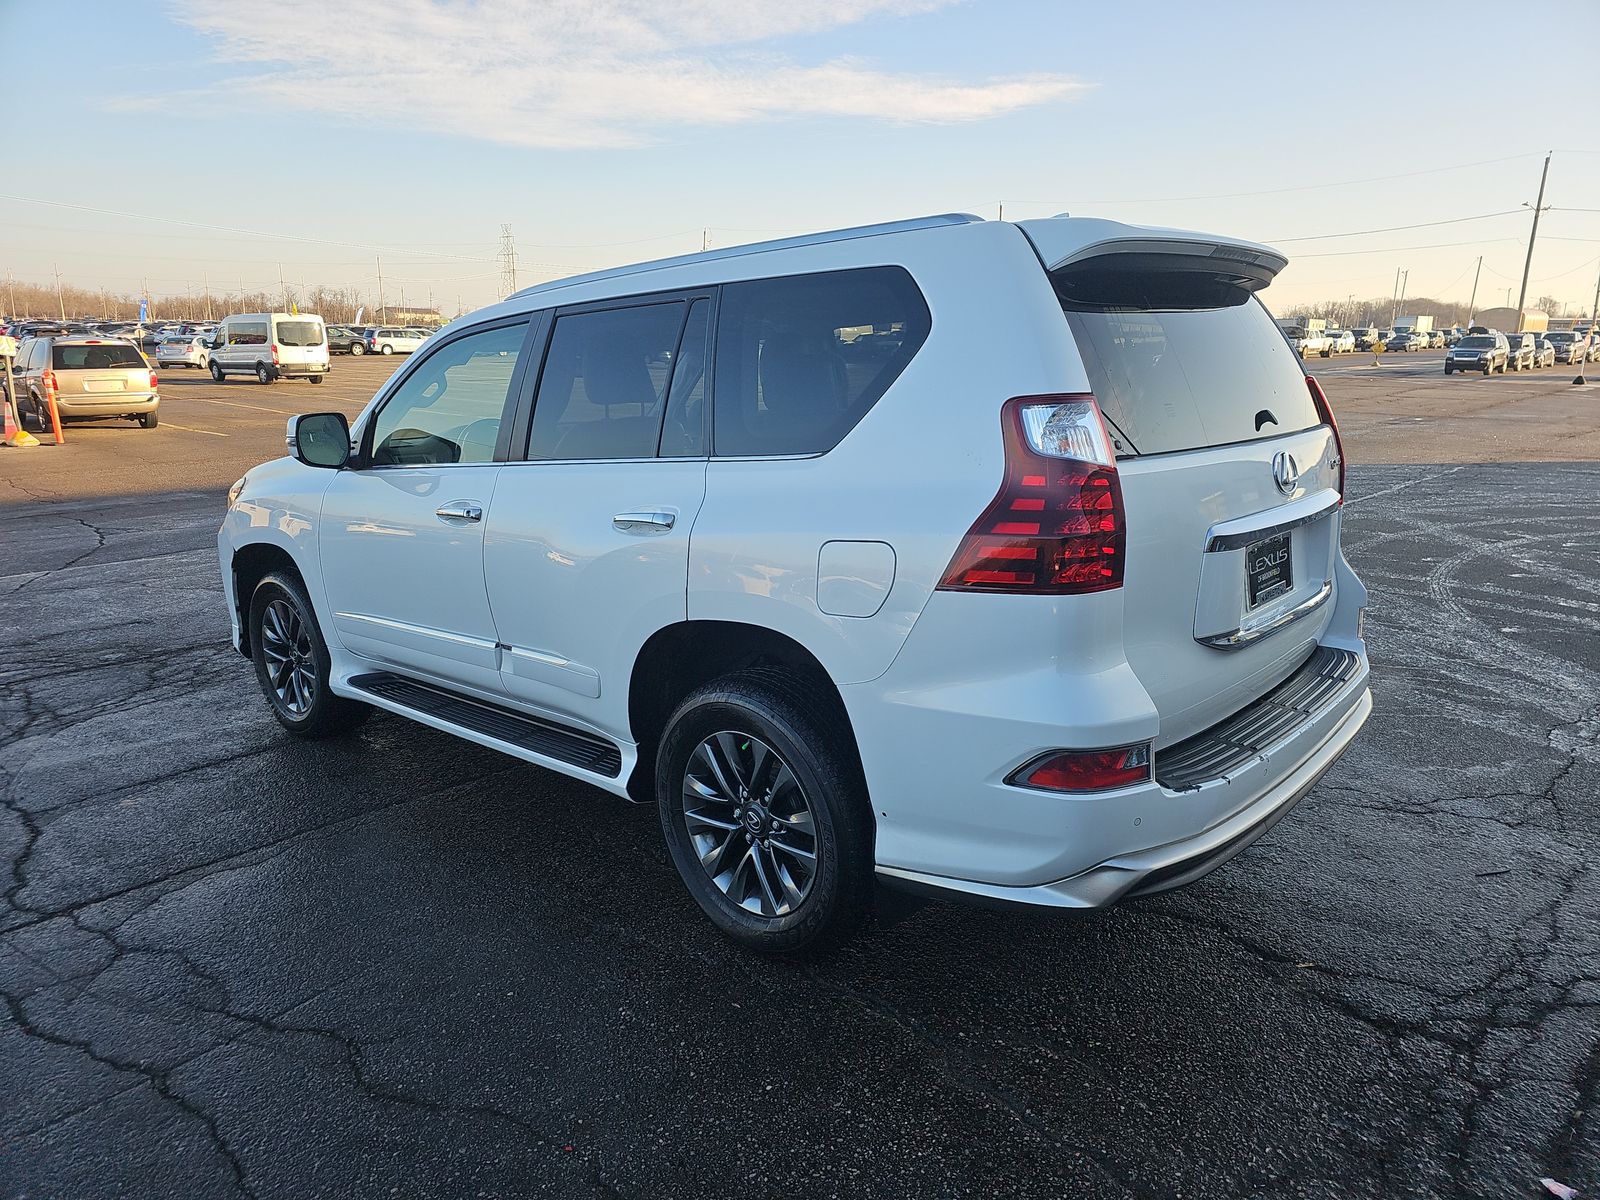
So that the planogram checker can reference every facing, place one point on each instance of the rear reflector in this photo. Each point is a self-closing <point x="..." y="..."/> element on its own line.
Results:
<point x="1086" y="770"/>
<point x="1056" y="527"/>
<point x="1325" y="415"/>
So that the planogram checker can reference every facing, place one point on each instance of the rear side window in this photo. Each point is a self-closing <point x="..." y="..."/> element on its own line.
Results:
<point x="604" y="386"/>
<point x="106" y="356"/>
<point x="247" y="333"/>
<point x="1182" y="359"/>
<point x="801" y="359"/>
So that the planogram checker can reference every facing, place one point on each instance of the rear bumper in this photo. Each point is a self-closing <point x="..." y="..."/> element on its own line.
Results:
<point x="113" y="404"/>
<point x="1175" y="863"/>
<point x="288" y="370"/>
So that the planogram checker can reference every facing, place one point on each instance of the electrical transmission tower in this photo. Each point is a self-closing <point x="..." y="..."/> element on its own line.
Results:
<point x="508" y="261"/>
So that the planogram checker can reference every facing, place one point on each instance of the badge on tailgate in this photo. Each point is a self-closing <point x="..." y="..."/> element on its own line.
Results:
<point x="1269" y="568"/>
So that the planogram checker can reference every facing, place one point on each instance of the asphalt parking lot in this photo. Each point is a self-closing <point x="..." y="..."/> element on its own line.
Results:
<point x="400" y="965"/>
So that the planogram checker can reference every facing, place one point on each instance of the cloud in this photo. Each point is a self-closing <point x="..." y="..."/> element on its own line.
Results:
<point x="581" y="73"/>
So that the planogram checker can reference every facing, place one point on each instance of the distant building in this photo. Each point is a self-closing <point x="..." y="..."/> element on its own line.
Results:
<point x="415" y="316"/>
<point x="1509" y="320"/>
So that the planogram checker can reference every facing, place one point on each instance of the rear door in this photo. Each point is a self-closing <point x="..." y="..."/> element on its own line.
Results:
<point x="99" y="373"/>
<point x="1230" y="478"/>
<point x="587" y="548"/>
<point x="301" y="342"/>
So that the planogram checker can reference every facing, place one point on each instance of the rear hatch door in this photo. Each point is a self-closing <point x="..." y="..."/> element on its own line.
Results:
<point x="1229" y="476"/>
<point x="301" y="341"/>
<point x="90" y="372"/>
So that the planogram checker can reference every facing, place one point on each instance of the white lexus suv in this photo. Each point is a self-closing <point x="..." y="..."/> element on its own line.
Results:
<point x="969" y="557"/>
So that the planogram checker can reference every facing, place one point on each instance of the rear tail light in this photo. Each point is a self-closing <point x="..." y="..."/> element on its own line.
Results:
<point x="1325" y="415"/>
<point x="1086" y="770"/>
<point x="154" y="382"/>
<point x="1057" y="525"/>
<point x="274" y="353"/>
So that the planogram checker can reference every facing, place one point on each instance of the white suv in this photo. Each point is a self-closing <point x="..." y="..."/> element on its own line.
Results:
<point x="989" y="559"/>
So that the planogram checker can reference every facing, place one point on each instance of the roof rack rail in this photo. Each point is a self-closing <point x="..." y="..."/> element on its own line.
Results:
<point x="807" y="239"/>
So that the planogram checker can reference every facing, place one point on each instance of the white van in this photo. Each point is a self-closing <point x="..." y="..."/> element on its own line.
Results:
<point x="270" y="346"/>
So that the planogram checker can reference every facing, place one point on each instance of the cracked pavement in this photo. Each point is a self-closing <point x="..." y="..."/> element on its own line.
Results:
<point x="234" y="964"/>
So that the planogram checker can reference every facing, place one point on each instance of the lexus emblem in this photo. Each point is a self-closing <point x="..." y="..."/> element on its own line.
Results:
<point x="1285" y="472"/>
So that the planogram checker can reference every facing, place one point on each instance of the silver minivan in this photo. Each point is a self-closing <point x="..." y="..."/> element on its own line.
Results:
<point x="270" y="346"/>
<point x="88" y="377"/>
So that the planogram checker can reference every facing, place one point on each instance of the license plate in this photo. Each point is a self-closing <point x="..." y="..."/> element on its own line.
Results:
<point x="102" y="385"/>
<point x="1269" y="569"/>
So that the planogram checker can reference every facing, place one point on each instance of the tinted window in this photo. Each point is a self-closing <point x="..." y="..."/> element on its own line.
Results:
<point x="1477" y="342"/>
<point x="247" y="333"/>
<point x="605" y="377"/>
<point x="683" y="434"/>
<point x="801" y="359"/>
<point x="1181" y="360"/>
<point x="300" y="333"/>
<point x="449" y="409"/>
<point x="105" y="356"/>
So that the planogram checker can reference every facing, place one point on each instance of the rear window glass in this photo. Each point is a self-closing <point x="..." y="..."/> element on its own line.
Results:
<point x="106" y="356"/>
<point x="1476" y="342"/>
<point x="300" y="333"/>
<point x="1182" y="360"/>
<point x="801" y="359"/>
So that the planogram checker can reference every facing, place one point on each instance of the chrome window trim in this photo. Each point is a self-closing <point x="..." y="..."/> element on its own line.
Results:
<point x="1237" y="539"/>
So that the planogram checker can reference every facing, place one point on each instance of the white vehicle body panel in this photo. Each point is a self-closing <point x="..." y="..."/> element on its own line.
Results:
<point x="544" y="606"/>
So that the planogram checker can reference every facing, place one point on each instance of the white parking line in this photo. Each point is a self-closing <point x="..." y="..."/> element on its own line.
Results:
<point x="190" y="429"/>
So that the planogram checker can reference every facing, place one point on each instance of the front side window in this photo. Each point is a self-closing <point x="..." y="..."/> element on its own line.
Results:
<point x="449" y="409"/>
<point x="801" y="359"/>
<point x="604" y="383"/>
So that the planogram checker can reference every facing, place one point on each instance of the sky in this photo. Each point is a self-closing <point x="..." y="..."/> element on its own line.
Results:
<point x="194" y="140"/>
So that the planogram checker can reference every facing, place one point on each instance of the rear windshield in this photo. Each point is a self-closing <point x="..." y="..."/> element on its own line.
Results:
<point x="103" y="356"/>
<point x="1182" y="360"/>
<point x="1477" y="342"/>
<point x="1559" y="337"/>
<point x="300" y="333"/>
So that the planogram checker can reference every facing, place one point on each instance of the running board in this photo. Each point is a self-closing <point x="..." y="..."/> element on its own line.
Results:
<point x="573" y="746"/>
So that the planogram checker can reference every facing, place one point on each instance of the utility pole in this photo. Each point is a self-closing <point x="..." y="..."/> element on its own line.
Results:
<point x="1402" y="278"/>
<point x="1527" y="264"/>
<point x="508" y="262"/>
<point x="208" y="295"/>
<point x="705" y="240"/>
<point x="11" y="291"/>
<point x="61" y="304"/>
<point x="1000" y="214"/>
<point x="383" y="313"/>
<point x="1394" y="299"/>
<point x="285" y="287"/>
<point x="1472" y="305"/>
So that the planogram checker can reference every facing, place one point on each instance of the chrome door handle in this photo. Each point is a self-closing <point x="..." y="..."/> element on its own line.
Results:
<point x="643" y="522"/>
<point x="461" y="510"/>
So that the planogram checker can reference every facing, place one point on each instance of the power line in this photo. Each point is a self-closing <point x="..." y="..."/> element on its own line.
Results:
<point x="1318" y="237"/>
<point x="1396" y="249"/>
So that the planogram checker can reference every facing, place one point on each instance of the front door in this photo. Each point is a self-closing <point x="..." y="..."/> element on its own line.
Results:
<point x="402" y="533"/>
<point x="588" y="541"/>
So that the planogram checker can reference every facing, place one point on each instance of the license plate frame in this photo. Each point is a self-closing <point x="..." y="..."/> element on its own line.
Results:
<point x="1268" y="570"/>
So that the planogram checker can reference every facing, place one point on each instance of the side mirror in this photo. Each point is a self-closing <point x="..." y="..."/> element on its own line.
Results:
<point x="319" y="439"/>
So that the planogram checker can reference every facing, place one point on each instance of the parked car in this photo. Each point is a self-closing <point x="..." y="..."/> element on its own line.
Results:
<point x="1521" y="352"/>
<point x="1403" y="340"/>
<point x="270" y="346"/>
<point x="393" y="339"/>
<point x="1344" y="341"/>
<point x="1436" y="339"/>
<point x="1569" y="347"/>
<point x="184" y="350"/>
<point x="678" y="580"/>
<point x="1453" y="335"/>
<point x="1544" y="351"/>
<point x="344" y="340"/>
<point x="1486" y="352"/>
<point x="1366" y="337"/>
<point x="89" y="377"/>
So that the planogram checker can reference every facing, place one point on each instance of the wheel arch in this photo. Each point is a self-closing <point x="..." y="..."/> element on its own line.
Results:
<point x="252" y="563"/>
<point x="678" y="658"/>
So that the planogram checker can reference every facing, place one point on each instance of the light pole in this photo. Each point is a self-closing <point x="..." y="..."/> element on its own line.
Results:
<point x="1473" y="303"/>
<point x="1527" y="263"/>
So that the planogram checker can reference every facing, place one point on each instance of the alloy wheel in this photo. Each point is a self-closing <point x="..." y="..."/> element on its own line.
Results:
<point x="750" y="824"/>
<point x="290" y="657"/>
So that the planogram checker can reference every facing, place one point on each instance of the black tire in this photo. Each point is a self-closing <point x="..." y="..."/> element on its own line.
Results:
<point x="150" y="419"/>
<point x="772" y="709"/>
<point x="324" y="714"/>
<point x="263" y="373"/>
<point x="216" y="372"/>
<point x="314" y="378"/>
<point x="1449" y="370"/>
<point x="357" y="349"/>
